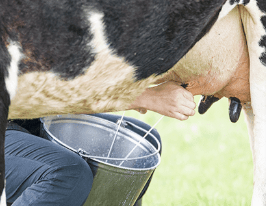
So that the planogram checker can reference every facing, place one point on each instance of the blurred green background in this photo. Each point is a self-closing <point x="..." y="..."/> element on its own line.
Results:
<point x="206" y="160"/>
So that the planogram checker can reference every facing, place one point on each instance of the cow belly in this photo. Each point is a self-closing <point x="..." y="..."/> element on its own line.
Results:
<point x="218" y="64"/>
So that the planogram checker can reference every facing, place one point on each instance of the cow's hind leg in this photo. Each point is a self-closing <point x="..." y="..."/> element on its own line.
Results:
<point x="10" y="56"/>
<point x="4" y="104"/>
<point x="249" y="117"/>
<point x="253" y="18"/>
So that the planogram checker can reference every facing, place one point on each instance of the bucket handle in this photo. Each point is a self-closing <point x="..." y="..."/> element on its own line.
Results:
<point x="125" y="122"/>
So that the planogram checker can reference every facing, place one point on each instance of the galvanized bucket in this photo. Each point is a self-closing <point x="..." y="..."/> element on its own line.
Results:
<point x="121" y="166"/>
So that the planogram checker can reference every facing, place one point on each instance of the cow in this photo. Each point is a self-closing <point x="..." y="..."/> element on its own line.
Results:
<point x="86" y="56"/>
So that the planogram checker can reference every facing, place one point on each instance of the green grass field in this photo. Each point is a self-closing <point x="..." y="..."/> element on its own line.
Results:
<point x="206" y="160"/>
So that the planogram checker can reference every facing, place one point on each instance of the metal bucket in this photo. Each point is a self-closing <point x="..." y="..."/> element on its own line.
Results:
<point x="121" y="166"/>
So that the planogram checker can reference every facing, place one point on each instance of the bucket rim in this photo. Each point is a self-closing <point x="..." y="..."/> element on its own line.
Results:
<point x="101" y="160"/>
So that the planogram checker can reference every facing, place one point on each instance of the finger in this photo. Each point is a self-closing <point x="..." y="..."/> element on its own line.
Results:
<point x="189" y="104"/>
<point x="186" y="111"/>
<point x="179" y="116"/>
<point x="188" y="95"/>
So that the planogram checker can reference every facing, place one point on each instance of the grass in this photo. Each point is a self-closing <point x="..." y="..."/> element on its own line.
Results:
<point x="206" y="160"/>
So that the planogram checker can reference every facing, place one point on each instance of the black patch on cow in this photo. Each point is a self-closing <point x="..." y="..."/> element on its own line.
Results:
<point x="5" y="57"/>
<point x="153" y="34"/>
<point x="54" y="35"/>
<point x="234" y="1"/>
<point x="262" y="5"/>
<point x="246" y="2"/>
<point x="262" y="42"/>
<point x="263" y="21"/>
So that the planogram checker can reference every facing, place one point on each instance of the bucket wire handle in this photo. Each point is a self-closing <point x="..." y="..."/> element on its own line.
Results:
<point x="144" y="131"/>
<point x="111" y="148"/>
<point x="138" y="143"/>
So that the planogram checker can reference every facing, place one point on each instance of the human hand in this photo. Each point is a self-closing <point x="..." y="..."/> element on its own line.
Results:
<point x="169" y="99"/>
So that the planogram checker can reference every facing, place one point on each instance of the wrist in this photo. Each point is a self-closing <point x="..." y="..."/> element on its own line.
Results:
<point x="142" y="101"/>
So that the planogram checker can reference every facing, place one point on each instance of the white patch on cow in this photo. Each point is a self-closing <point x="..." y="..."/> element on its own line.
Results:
<point x="99" y="43"/>
<point x="3" y="197"/>
<point x="227" y="7"/>
<point x="12" y="78"/>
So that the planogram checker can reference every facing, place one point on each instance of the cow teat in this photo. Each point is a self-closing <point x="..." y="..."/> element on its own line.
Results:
<point x="234" y="109"/>
<point x="206" y="102"/>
